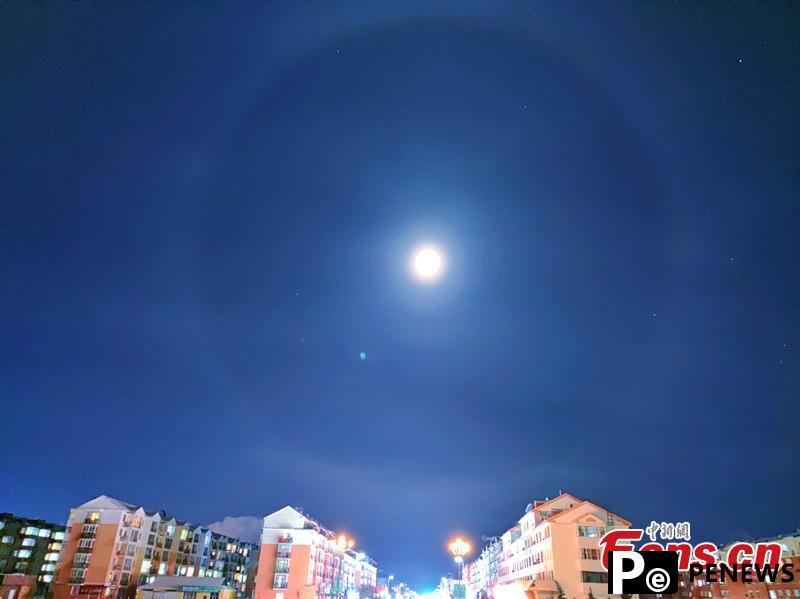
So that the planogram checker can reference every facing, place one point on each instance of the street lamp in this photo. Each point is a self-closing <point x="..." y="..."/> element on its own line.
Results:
<point x="459" y="548"/>
<point x="344" y="542"/>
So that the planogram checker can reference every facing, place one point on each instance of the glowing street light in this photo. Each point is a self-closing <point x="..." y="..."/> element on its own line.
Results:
<point x="344" y="542"/>
<point x="459" y="548"/>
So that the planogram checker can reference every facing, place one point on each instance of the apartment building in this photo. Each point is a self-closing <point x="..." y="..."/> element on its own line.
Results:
<point x="483" y="572"/>
<point x="29" y="550"/>
<point x="554" y="544"/>
<point x="301" y="559"/>
<point x="111" y="547"/>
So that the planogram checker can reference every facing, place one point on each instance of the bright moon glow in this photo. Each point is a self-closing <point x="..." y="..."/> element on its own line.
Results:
<point x="428" y="263"/>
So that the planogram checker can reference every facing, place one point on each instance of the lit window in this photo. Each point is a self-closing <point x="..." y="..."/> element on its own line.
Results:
<point x="47" y="577"/>
<point x="31" y="530"/>
<point x="6" y="539"/>
<point x="28" y="542"/>
<point x="22" y="553"/>
<point x="44" y="533"/>
<point x="58" y="536"/>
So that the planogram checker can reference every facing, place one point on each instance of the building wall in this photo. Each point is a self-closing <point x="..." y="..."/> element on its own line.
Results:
<point x="29" y="548"/>
<point x="127" y="546"/>
<point x="544" y="550"/>
<point x="318" y="567"/>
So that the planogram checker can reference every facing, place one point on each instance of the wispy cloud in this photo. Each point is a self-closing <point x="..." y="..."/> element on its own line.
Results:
<point x="247" y="528"/>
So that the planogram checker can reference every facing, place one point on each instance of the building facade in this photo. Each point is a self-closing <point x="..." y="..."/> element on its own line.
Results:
<point x="111" y="547"/>
<point x="29" y="551"/>
<point x="301" y="559"/>
<point x="552" y="547"/>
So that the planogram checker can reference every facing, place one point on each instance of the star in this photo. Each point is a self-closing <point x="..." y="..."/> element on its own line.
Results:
<point x="740" y="61"/>
<point x="362" y="356"/>
<point x="733" y="259"/>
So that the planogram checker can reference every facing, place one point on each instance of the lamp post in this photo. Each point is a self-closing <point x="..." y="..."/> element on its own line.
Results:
<point x="459" y="548"/>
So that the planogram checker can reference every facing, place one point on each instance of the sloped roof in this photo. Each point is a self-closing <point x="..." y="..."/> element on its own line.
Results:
<point x="106" y="502"/>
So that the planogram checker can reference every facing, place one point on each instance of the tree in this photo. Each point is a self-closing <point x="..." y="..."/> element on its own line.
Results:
<point x="561" y="594"/>
<point x="591" y="594"/>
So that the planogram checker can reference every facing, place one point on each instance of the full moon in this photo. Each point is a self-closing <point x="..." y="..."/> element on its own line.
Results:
<point x="427" y="263"/>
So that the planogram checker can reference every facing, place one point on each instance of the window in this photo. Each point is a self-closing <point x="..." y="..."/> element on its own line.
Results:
<point x="22" y="553"/>
<point x="6" y="539"/>
<point x="597" y="577"/>
<point x="31" y="530"/>
<point x="47" y="578"/>
<point x="587" y="531"/>
<point x="94" y="517"/>
<point x="58" y="536"/>
<point x="44" y="533"/>
<point x="28" y="542"/>
<point x="48" y="567"/>
<point x="590" y="553"/>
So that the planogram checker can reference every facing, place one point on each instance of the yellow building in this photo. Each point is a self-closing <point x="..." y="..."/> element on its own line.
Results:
<point x="185" y="587"/>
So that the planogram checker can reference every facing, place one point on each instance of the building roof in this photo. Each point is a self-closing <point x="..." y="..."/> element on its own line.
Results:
<point x="172" y="582"/>
<point x="106" y="502"/>
<point x="594" y="505"/>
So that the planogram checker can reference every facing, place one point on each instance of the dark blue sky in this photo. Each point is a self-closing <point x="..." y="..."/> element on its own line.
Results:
<point x="207" y="213"/>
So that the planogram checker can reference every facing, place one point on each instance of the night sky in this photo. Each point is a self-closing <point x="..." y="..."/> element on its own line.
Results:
<point x="208" y="212"/>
